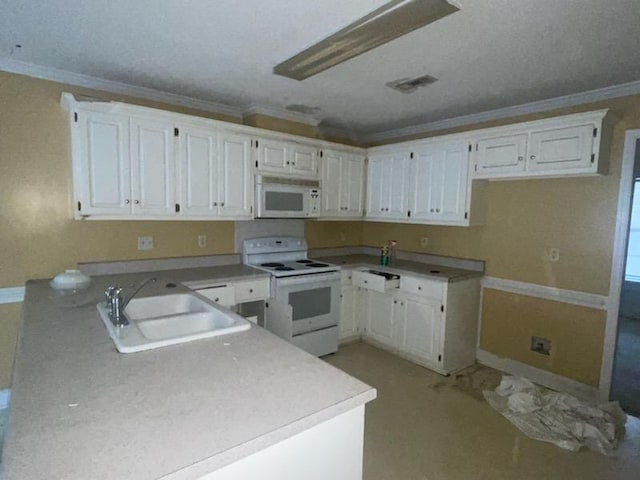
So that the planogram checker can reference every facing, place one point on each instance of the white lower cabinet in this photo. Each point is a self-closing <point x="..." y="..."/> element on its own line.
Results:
<point x="429" y="322"/>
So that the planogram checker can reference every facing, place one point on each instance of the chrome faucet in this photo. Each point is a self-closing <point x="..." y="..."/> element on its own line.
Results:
<point x="116" y="303"/>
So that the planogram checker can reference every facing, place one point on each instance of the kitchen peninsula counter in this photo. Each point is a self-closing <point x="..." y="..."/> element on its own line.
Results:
<point x="79" y="409"/>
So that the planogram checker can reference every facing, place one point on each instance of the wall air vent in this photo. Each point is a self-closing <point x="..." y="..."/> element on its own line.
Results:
<point x="390" y="21"/>
<point x="410" y="85"/>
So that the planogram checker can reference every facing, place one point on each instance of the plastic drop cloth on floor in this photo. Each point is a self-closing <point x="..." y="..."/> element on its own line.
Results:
<point x="558" y="418"/>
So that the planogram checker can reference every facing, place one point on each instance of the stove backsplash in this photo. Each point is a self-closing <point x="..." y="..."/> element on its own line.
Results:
<point x="267" y="228"/>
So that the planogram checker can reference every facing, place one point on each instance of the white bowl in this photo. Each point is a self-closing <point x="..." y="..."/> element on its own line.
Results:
<point x="70" y="280"/>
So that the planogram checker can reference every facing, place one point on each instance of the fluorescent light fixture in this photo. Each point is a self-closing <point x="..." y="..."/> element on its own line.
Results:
<point x="387" y="23"/>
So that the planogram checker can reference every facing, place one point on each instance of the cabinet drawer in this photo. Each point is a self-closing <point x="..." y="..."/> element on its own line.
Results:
<point x="222" y="294"/>
<point x="422" y="287"/>
<point x="373" y="282"/>
<point x="252" y="290"/>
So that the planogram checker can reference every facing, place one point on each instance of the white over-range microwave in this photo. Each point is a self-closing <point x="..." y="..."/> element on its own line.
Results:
<point x="278" y="197"/>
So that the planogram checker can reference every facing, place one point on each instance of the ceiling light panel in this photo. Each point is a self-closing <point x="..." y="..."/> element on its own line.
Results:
<point x="392" y="20"/>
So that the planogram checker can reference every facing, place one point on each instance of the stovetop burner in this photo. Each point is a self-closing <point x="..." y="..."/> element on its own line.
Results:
<point x="284" y="269"/>
<point x="304" y="261"/>
<point x="272" y="265"/>
<point x="316" y="265"/>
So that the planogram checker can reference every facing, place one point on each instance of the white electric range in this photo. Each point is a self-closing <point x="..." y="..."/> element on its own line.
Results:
<point x="304" y="307"/>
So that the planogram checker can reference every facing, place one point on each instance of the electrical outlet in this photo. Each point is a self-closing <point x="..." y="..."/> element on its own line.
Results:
<point x="145" y="243"/>
<point x="424" y="242"/>
<point x="541" y="345"/>
<point x="552" y="254"/>
<point x="202" y="241"/>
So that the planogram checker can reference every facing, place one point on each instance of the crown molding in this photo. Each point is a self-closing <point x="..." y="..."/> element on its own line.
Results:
<point x="590" y="96"/>
<point x="255" y="109"/>
<point x="95" y="83"/>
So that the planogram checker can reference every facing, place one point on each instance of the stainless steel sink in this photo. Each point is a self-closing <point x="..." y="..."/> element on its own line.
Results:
<point x="170" y="319"/>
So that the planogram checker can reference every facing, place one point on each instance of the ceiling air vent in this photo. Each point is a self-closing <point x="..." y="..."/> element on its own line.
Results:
<point x="410" y="85"/>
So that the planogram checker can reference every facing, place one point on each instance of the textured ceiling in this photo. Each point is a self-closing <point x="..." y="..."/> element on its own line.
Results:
<point x="489" y="55"/>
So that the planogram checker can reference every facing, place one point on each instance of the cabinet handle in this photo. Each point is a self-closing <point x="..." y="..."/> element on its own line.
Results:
<point x="137" y="202"/>
<point x="127" y="201"/>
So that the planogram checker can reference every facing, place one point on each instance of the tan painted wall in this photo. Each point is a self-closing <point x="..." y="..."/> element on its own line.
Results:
<point x="525" y="217"/>
<point x="323" y="234"/>
<point x="577" y="333"/>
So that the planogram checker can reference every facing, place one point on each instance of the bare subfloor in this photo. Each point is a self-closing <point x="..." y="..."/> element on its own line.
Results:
<point x="424" y="426"/>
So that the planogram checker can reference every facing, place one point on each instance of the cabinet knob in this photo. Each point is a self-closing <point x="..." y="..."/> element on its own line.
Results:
<point x="419" y="288"/>
<point x="137" y="202"/>
<point x="217" y="299"/>
<point x="293" y="163"/>
<point x="532" y="157"/>
<point x="520" y="158"/>
<point x="437" y="210"/>
<point x="395" y="301"/>
<point x="402" y="304"/>
<point x="366" y="281"/>
<point x="288" y="163"/>
<point x="222" y="204"/>
<point x="251" y="290"/>
<point x="127" y="201"/>
<point x="215" y="204"/>
<point x="382" y="209"/>
<point x="431" y="210"/>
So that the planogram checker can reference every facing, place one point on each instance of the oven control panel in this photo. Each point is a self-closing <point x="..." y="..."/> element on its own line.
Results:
<point x="314" y="203"/>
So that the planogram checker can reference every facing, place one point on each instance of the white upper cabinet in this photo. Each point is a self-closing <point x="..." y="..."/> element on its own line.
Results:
<point x="440" y="186"/>
<point x="199" y="171"/>
<point x="429" y="184"/>
<point x="236" y="180"/>
<point x="560" y="146"/>
<point x="288" y="158"/>
<point x="497" y="155"/>
<point x="152" y="167"/>
<point x="101" y="167"/>
<point x="387" y="185"/>
<point x="342" y="184"/>
<point x="215" y="171"/>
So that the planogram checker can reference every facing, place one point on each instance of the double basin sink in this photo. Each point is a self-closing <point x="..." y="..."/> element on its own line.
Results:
<point x="168" y="320"/>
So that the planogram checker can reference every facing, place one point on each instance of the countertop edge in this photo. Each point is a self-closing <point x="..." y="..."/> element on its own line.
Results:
<point x="401" y="271"/>
<point x="257" y="444"/>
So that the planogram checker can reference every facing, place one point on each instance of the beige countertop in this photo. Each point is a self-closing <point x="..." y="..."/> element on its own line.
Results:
<point x="436" y="272"/>
<point x="80" y="410"/>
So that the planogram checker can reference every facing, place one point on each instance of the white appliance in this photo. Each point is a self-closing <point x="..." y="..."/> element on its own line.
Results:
<point x="304" y="303"/>
<point x="286" y="197"/>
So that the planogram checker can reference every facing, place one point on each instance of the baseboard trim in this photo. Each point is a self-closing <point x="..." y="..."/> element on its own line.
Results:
<point x="583" y="299"/>
<point x="537" y="375"/>
<point x="11" y="295"/>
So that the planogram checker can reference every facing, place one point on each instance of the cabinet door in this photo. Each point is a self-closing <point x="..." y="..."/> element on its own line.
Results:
<point x="375" y="195"/>
<point x="419" y="323"/>
<point x="348" y="326"/>
<point x="561" y="148"/>
<point x="423" y="177"/>
<point x="505" y="154"/>
<point x="102" y="163"/>
<point x="235" y="186"/>
<point x="379" y="322"/>
<point x="273" y="156"/>
<point x="397" y="183"/>
<point x="153" y="167"/>
<point x="198" y="160"/>
<point x="331" y="184"/>
<point x="351" y="197"/>
<point x="453" y="177"/>
<point x="304" y="160"/>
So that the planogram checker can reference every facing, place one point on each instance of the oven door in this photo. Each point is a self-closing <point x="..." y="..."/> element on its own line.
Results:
<point x="314" y="300"/>
<point x="282" y="201"/>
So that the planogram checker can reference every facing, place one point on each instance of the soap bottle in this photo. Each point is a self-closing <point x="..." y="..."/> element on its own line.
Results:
<point x="384" y="255"/>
